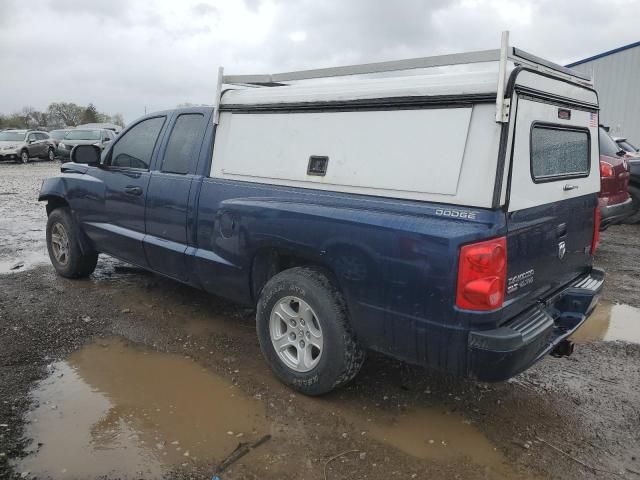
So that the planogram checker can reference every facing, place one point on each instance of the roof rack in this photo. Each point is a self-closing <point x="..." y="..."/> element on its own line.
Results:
<point x="502" y="55"/>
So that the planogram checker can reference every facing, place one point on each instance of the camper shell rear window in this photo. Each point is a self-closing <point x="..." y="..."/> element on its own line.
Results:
<point x="558" y="152"/>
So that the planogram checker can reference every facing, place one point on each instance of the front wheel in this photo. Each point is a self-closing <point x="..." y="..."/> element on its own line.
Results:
<point x="64" y="250"/>
<point x="24" y="156"/>
<point x="304" y="331"/>
<point x="51" y="155"/>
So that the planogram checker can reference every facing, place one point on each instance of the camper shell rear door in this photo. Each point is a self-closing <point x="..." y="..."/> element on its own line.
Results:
<point x="553" y="179"/>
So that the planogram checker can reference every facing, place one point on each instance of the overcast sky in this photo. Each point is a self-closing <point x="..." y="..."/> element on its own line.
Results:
<point x="123" y="55"/>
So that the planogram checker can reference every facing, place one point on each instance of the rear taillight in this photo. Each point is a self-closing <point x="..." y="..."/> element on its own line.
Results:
<point x="595" y="241"/>
<point x="606" y="170"/>
<point x="482" y="272"/>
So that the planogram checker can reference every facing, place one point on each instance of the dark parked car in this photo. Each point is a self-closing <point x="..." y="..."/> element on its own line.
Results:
<point x="98" y="137"/>
<point x="614" y="199"/>
<point x="22" y="145"/>
<point x="58" y="135"/>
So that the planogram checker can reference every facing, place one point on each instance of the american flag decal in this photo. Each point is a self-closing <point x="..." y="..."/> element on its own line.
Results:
<point x="593" y="122"/>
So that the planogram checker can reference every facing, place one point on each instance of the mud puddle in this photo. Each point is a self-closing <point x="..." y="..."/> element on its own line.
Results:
<point x="442" y="436"/>
<point x="114" y="409"/>
<point x="610" y="322"/>
<point x="23" y="261"/>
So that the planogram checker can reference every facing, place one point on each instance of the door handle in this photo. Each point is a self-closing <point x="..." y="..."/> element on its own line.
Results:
<point x="568" y="187"/>
<point x="133" y="190"/>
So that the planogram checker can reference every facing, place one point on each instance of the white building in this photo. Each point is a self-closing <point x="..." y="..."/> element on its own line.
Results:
<point x="616" y="75"/>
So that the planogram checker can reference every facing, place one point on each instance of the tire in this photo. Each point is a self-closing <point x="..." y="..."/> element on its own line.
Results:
<point x="51" y="155"/>
<point x="283" y="298"/>
<point x="24" y="156"/>
<point x="65" y="253"/>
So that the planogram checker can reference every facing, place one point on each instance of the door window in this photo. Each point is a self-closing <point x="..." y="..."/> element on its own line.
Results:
<point x="558" y="152"/>
<point x="184" y="137"/>
<point x="134" y="148"/>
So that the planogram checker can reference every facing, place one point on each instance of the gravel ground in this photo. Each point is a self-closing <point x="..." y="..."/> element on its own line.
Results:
<point x="570" y="418"/>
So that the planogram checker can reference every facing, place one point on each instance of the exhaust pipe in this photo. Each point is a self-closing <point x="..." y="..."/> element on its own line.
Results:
<point x="563" y="349"/>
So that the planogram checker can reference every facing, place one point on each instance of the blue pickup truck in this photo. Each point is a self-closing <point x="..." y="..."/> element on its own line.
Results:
<point x="445" y="220"/>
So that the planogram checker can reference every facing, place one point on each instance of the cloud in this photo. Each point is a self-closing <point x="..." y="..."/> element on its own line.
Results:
<point x="124" y="56"/>
<point x="204" y="9"/>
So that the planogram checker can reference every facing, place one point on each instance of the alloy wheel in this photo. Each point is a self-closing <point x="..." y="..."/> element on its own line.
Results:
<point x="60" y="243"/>
<point x="296" y="334"/>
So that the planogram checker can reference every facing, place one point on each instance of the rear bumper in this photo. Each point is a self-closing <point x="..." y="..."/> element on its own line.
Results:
<point x="499" y="354"/>
<point x="612" y="214"/>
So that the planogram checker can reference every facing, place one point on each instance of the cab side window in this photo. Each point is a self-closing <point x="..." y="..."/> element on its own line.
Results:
<point x="135" y="148"/>
<point x="179" y="154"/>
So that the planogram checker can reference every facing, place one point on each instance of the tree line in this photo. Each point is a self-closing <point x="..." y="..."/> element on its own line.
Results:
<point x="58" y="115"/>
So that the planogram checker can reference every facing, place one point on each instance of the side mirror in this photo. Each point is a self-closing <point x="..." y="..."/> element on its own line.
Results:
<point x="105" y="140"/>
<point x="86" y="154"/>
<point x="31" y="140"/>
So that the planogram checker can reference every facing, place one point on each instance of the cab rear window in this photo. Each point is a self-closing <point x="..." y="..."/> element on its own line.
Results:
<point x="559" y="152"/>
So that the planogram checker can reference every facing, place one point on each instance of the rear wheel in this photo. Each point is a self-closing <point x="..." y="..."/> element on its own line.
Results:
<point x="304" y="331"/>
<point x="64" y="250"/>
<point x="24" y="156"/>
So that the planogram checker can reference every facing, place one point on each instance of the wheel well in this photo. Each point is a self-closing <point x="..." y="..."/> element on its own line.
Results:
<point x="270" y="262"/>
<point x="54" y="203"/>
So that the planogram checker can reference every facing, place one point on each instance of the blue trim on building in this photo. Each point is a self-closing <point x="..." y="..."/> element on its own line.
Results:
<point x="604" y="54"/>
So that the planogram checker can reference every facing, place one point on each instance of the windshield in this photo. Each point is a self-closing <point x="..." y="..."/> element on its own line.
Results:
<point x="627" y="146"/>
<point x="607" y="146"/>
<point x="11" y="136"/>
<point x="83" y="135"/>
<point x="58" y="134"/>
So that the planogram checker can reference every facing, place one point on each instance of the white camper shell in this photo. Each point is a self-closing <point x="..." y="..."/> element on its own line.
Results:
<point x="454" y="138"/>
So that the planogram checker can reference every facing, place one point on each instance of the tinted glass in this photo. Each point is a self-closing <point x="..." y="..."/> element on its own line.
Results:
<point x="134" y="148"/>
<point x="31" y="136"/>
<point x="607" y="146"/>
<point x="83" y="135"/>
<point x="11" y="136"/>
<point x="58" y="134"/>
<point x="184" y="136"/>
<point x="559" y="152"/>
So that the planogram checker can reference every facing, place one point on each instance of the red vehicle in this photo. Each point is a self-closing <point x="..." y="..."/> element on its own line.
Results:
<point x="614" y="200"/>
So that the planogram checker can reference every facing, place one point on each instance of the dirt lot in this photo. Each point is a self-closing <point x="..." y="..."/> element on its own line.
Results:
<point x="129" y="375"/>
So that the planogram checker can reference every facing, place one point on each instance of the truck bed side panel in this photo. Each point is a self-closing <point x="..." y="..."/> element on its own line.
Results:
<point x="395" y="261"/>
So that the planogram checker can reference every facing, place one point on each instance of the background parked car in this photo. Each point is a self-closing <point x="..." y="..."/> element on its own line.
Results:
<point x="58" y="135"/>
<point x="614" y="200"/>
<point x="106" y="126"/>
<point x="624" y="144"/>
<point x="22" y="145"/>
<point x="86" y="136"/>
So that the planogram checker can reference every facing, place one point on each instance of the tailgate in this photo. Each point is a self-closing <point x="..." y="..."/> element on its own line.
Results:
<point x="552" y="198"/>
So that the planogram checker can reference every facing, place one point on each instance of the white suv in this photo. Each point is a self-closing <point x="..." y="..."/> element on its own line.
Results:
<point x="22" y="145"/>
